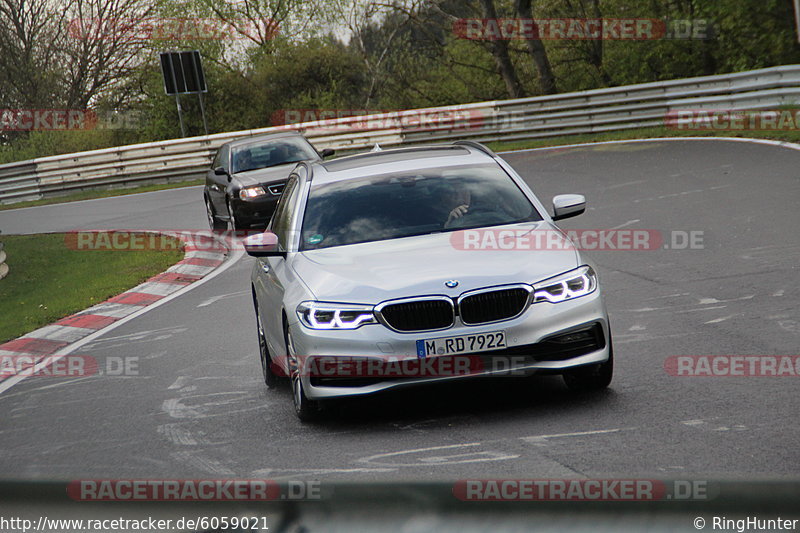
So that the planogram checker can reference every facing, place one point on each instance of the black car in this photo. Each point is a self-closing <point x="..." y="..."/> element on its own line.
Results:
<point x="247" y="177"/>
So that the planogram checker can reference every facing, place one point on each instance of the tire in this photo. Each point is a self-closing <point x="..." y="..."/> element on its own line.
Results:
<point x="213" y="222"/>
<point x="305" y="409"/>
<point x="267" y="365"/>
<point x="592" y="377"/>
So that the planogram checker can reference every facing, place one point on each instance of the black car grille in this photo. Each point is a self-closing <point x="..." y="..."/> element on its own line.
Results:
<point x="492" y="306"/>
<point x="419" y="315"/>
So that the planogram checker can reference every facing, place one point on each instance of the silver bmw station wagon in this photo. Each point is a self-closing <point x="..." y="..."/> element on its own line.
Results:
<point x="415" y="265"/>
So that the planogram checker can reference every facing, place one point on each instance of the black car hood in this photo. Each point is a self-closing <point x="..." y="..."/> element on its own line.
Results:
<point x="264" y="175"/>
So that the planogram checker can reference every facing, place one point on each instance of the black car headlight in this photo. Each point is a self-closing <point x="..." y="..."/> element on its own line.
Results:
<point x="325" y="315"/>
<point x="248" y="193"/>
<point x="566" y="286"/>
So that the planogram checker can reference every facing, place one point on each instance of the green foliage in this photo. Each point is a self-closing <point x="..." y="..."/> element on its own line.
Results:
<point x="400" y="60"/>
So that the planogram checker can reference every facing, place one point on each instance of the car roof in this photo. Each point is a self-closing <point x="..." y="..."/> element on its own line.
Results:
<point x="406" y="159"/>
<point x="264" y="137"/>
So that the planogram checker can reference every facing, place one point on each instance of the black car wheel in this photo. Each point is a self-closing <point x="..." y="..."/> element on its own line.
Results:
<point x="305" y="409"/>
<point x="270" y="378"/>
<point x="592" y="377"/>
<point x="213" y="222"/>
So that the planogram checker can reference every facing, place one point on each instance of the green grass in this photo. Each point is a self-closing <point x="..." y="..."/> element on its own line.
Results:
<point x="643" y="133"/>
<point x="101" y="193"/>
<point x="48" y="281"/>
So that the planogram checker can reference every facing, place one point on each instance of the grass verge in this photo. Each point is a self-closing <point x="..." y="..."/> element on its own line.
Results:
<point x="48" y="281"/>
<point x="101" y="193"/>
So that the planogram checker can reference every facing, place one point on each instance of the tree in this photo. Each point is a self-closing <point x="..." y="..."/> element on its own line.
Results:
<point x="537" y="51"/>
<point x="63" y="54"/>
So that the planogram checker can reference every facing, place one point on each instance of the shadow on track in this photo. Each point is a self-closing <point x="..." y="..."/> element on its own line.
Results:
<point x="440" y="405"/>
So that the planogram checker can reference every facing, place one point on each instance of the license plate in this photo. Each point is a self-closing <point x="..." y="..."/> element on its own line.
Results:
<point x="478" y="342"/>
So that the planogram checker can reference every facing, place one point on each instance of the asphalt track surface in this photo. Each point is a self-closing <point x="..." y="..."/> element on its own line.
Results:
<point x="199" y="409"/>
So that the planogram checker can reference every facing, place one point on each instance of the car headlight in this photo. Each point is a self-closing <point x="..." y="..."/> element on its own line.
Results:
<point x="324" y="315"/>
<point x="252" y="192"/>
<point x="572" y="284"/>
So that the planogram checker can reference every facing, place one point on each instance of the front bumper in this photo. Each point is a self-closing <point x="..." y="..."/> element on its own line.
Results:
<point x="529" y="337"/>
<point x="255" y="211"/>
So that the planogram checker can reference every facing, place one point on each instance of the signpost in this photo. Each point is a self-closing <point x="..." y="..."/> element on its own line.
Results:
<point x="183" y="74"/>
<point x="797" y="18"/>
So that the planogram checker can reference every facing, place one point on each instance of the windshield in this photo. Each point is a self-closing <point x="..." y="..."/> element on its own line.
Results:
<point x="271" y="154"/>
<point x="392" y="206"/>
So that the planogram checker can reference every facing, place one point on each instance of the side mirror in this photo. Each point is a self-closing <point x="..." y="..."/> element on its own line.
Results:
<point x="263" y="245"/>
<point x="568" y="205"/>
<point x="327" y="152"/>
<point x="219" y="171"/>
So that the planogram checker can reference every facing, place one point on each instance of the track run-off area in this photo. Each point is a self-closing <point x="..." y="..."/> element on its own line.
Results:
<point x="197" y="406"/>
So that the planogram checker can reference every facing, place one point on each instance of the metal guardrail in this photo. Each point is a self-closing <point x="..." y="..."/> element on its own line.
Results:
<point x="600" y="110"/>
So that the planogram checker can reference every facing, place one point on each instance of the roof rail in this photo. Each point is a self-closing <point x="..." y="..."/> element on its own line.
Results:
<point x="477" y="146"/>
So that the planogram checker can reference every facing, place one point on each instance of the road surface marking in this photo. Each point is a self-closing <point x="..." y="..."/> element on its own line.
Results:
<point x="536" y="439"/>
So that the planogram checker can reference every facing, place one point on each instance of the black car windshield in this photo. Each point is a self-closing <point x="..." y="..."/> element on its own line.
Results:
<point x="405" y="204"/>
<point x="271" y="153"/>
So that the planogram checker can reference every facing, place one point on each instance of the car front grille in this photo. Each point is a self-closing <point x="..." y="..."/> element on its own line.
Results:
<point x="419" y="315"/>
<point x="493" y="305"/>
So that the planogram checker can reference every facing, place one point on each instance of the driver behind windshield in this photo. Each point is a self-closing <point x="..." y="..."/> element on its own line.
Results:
<point x="280" y="154"/>
<point x="457" y="199"/>
<point x="244" y="161"/>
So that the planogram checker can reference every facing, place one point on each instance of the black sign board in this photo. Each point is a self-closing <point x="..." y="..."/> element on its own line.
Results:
<point x="183" y="73"/>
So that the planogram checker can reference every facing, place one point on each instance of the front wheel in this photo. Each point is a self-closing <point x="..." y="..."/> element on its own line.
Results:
<point x="592" y="377"/>
<point x="213" y="222"/>
<point x="305" y="409"/>
<point x="270" y="378"/>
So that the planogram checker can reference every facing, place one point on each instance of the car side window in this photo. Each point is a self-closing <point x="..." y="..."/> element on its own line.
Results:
<point x="217" y="159"/>
<point x="281" y="220"/>
<point x="223" y="157"/>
